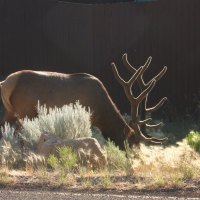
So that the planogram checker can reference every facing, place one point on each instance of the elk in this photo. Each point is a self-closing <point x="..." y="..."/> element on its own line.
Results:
<point x="21" y="90"/>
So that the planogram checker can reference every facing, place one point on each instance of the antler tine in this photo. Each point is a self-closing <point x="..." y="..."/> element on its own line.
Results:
<point x="142" y="122"/>
<point x="154" y="141"/>
<point x="130" y="67"/>
<point x="133" y="69"/>
<point x="148" y="62"/>
<point x="135" y="76"/>
<point x="149" y="140"/>
<point x="127" y="85"/>
<point x="142" y="96"/>
<point x="160" y="75"/>
<point x="160" y="103"/>
<point x="146" y="121"/>
<point x="157" y="106"/>
<point x="121" y="80"/>
<point x="145" y="66"/>
<point x="116" y="74"/>
<point x="127" y="64"/>
<point x="154" y="125"/>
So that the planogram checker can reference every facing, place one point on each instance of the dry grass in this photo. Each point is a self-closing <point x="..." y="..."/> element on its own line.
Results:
<point x="147" y="167"/>
<point x="5" y="177"/>
<point x="166" y="167"/>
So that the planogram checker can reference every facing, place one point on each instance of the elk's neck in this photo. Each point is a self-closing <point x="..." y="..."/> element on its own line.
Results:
<point x="113" y="126"/>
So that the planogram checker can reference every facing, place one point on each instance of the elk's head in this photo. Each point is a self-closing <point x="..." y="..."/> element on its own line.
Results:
<point x="137" y="136"/>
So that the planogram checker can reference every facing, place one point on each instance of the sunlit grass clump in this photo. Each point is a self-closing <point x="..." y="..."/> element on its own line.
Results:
<point x="165" y="167"/>
<point x="193" y="139"/>
<point x="4" y="176"/>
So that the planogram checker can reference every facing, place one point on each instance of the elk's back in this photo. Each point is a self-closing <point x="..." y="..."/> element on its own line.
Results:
<point x="24" y="89"/>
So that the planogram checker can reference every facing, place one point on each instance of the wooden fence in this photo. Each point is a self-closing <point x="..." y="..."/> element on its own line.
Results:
<point x="79" y="37"/>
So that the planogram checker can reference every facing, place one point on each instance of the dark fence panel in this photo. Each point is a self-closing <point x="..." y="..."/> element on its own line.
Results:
<point x="72" y="37"/>
<point x="41" y="34"/>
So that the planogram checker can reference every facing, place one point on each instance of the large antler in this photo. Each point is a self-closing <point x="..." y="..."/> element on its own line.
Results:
<point x="136" y="101"/>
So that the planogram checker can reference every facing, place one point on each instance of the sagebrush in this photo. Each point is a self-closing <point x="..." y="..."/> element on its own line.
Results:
<point x="68" y="122"/>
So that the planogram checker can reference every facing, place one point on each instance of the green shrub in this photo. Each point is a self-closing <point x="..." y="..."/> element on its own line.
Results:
<point x="53" y="162"/>
<point x="116" y="158"/>
<point x="105" y="180"/>
<point x="68" y="122"/>
<point x="65" y="159"/>
<point x="193" y="139"/>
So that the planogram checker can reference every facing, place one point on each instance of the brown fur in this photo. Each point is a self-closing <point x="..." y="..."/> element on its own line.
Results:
<point x="21" y="91"/>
